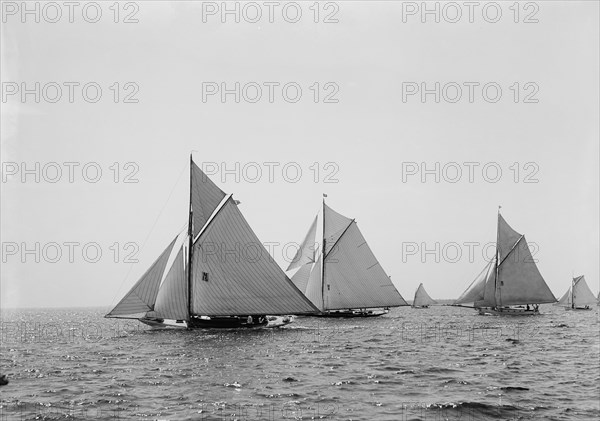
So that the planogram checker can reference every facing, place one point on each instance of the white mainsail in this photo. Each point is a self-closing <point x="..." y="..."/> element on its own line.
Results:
<point x="514" y="277"/>
<point x="507" y="239"/>
<point x="205" y="197"/>
<point x="422" y="298"/>
<point x="335" y="225"/>
<point x="142" y="296"/>
<point x="235" y="275"/>
<point x="347" y="275"/>
<point x="520" y="281"/>
<point x="353" y="276"/>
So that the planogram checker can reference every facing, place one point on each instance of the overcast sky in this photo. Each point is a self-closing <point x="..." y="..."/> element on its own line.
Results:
<point x="367" y="140"/>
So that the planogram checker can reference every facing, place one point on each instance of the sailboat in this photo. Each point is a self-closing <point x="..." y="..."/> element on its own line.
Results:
<point x="221" y="276"/>
<point x="510" y="281"/>
<point x="340" y="274"/>
<point x="579" y="296"/>
<point x="422" y="299"/>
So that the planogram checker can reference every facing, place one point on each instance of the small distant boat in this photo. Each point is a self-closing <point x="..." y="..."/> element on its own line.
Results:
<point x="422" y="299"/>
<point x="511" y="284"/>
<point x="579" y="296"/>
<point x="345" y="280"/>
<point x="209" y="283"/>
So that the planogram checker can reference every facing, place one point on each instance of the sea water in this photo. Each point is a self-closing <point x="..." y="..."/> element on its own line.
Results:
<point x="441" y="363"/>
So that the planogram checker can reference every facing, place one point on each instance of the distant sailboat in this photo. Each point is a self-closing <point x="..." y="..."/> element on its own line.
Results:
<point x="345" y="280"/>
<point x="210" y="282"/>
<point x="511" y="278"/>
<point x="422" y="299"/>
<point x="579" y="296"/>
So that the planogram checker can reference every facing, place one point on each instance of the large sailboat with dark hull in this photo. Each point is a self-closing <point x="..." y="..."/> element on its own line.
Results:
<point x="339" y="273"/>
<point x="510" y="284"/>
<point x="579" y="296"/>
<point x="221" y="275"/>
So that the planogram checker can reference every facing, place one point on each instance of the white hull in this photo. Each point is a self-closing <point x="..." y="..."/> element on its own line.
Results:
<point x="578" y="308"/>
<point x="164" y="324"/>
<point x="508" y="311"/>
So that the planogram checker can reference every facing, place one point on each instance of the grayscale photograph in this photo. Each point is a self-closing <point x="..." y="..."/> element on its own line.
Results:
<point x="353" y="210"/>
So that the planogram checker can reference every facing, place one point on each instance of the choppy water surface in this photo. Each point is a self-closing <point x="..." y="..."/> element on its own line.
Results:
<point x="435" y="364"/>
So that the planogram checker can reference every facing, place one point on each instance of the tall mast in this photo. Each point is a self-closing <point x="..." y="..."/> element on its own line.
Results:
<point x="573" y="293"/>
<point x="496" y="283"/>
<point x="190" y="245"/>
<point x="323" y="259"/>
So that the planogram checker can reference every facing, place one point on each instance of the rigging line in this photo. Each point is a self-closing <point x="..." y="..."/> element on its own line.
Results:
<point x="149" y="233"/>
<point x="512" y="249"/>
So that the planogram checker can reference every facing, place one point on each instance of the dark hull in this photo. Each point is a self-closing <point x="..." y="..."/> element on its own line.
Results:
<point x="508" y="311"/>
<point x="227" y="322"/>
<point x="578" y="308"/>
<point x="230" y="322"/>
<point x="349" y="314"/>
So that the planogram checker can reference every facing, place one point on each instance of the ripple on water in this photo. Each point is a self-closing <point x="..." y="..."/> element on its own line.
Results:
<point x="396" y="366"/>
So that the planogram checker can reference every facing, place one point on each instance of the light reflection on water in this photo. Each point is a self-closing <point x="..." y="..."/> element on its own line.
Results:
<point x="440" y="363"/>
